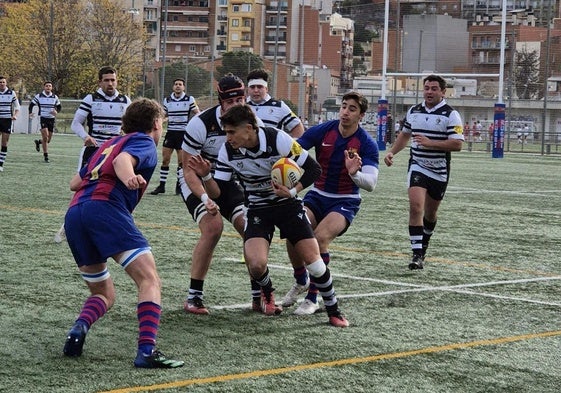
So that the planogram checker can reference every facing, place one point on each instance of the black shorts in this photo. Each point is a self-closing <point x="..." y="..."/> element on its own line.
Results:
<point x="87" y="152"/>
<point x="173" y="140"/>
<point x="230" y="202"/>
<point x="436" y="189"/>
<point x="48" y="123"/>
<point x="289" y="217"/>
<point x="6" y="126"/>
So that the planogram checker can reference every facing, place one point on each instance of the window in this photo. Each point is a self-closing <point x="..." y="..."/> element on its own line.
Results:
<point x="192" y="48"/>
<point x="235" y="22"/>
<point x="246" y="7"/>
<point x="235" y="37"/>
<point x="236" y="8"/>
<point x="247" y="23"/>
<point x="178" y="48"/>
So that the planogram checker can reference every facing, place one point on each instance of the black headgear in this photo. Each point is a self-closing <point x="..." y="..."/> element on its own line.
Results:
<point x="230" y="86"/>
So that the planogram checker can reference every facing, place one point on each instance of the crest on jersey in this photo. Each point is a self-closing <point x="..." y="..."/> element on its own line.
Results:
<point x="296" y="149"/>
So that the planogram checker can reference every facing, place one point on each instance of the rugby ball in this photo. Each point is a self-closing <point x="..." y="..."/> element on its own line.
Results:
<point x="286" y="172"/>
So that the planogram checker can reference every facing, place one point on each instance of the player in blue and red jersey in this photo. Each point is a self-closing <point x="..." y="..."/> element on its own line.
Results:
<point x="99" y="225"/>
<point x="349" y="162"/>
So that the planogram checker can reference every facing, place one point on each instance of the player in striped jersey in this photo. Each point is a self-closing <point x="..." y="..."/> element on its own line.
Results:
<point x="102" y="112"/>
<point x="435" y="130"/>
<point x="249" y="153"/>
<point x="49" y="105"/>
<point x="9" y="111"/>
<point x="274" y="113"/>
<point x="204" y="136"/>
<point x="100" y="225"/>
<point x="349" y="161"/>
<point x="179" y="107"/>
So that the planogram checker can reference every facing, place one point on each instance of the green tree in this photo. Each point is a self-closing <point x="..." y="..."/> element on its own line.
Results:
<point x="238" y="63"/>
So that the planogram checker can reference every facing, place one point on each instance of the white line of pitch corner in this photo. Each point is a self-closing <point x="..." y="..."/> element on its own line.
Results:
<point x="462" y="288"/>
<point x="446" y="287"/>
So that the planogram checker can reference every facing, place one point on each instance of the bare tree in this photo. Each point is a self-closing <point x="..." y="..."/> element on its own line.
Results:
<point x="114" y="38"/>
<point x="526" y="74"/>
<point x="67" y="42"/>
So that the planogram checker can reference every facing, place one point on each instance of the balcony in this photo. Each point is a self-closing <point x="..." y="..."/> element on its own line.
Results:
<point x="271" y="53"/>
<point x="273" y="39"/>
<point x="274" y="9"/>
<point x="272" y="24"/>
<point x="221" y="32"/>
<point x="488" y="45"/>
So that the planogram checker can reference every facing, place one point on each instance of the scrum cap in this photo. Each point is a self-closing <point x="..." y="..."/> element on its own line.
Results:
<point x="230" y="86"/>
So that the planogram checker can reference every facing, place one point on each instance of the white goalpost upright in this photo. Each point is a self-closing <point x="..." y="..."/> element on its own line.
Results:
<point x="499" y="115"/>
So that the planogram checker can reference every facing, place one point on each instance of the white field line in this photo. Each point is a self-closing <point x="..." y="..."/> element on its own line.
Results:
<point x="460" y="190"/>
<point x="424" y="288"/>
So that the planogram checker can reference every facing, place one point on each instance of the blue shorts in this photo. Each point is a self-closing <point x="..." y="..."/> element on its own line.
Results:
<point x="321" y="206"/>
<point x="97" y="230"/>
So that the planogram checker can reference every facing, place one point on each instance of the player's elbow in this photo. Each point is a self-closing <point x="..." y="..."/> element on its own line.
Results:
<point x="457" y="145"/>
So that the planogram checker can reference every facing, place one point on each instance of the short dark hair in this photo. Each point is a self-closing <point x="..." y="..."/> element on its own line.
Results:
<point x="362" y="101"/>
<point x="435" y="78"/>
<point x="105" y="70"/>
<point x="239" y="114"/>
<point x="141" y="115"/>
<point x="258" y="74"/>
<point x="179" y="79"/>
<point x="44" y="83"/>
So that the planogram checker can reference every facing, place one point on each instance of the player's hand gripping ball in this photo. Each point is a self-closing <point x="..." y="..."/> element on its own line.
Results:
<point x="286" y="172"/>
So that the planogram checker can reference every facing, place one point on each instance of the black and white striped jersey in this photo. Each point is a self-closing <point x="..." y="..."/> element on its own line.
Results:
<point x="102" y="115"/>
<point x="204" y="135"/>
<point x="178" y="111"/>
<point x="439" y="123"/>
<point x="275" y="113"/>
<point x="253" y="166"/>
<point x="46" y="104"/>
<point x="8" y="103"/>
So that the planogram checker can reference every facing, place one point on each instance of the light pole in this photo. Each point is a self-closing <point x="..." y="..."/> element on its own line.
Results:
<point x="51" y="42"/>
<point x="163" y="69"/>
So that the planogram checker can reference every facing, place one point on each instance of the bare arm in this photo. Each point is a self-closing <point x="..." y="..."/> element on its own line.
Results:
<point x="75" y="182"/>
<point x="297" y="131"/>
<point x="124" y="165"/>
<point x="399" y="144"/>
<point x="196" y="172"/>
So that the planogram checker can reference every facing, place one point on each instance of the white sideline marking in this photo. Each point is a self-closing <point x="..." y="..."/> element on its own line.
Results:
<point x="458" y="190"/>
<point x="423" y="288"/>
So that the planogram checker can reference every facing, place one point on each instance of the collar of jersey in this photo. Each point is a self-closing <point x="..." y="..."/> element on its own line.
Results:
<point x="440" y="104"/>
